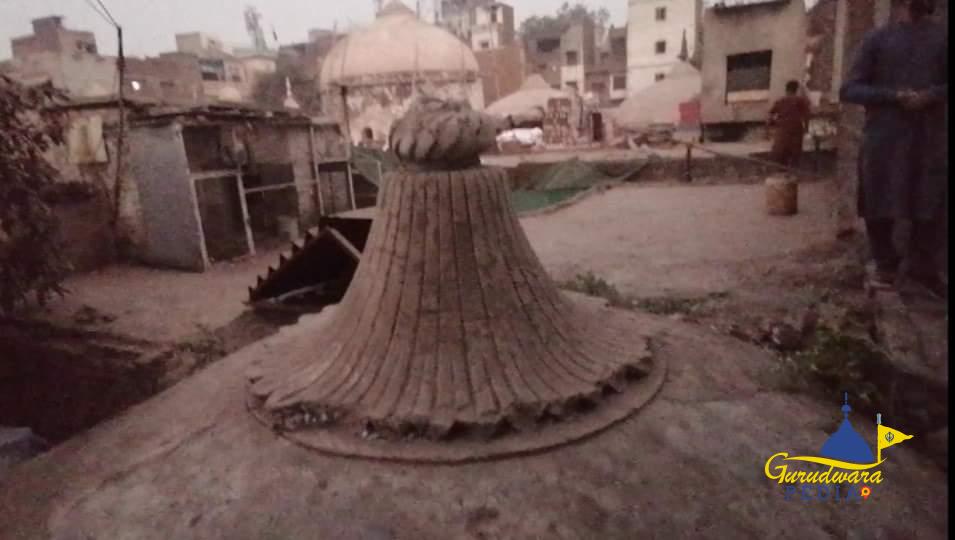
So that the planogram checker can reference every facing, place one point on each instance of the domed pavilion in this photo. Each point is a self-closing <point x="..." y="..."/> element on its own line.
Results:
<point x="375" y="73"/>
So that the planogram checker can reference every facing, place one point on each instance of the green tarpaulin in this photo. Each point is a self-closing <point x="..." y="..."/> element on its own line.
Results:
<point x="563" y="180"/>
<point x="551" y="185"/>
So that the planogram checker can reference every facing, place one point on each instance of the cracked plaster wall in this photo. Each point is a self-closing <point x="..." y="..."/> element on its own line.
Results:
<point x="377" y="106"/>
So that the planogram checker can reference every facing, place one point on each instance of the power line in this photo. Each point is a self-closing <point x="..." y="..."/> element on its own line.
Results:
<point x="108" y="14"/>
<point x="100" y="13"/>
<point x="103" y="12"/>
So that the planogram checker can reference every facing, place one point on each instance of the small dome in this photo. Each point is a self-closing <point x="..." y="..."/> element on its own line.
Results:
<point x="846" y="444"/>
<point x="396" y="45"/>
<point x="531" y="98"/>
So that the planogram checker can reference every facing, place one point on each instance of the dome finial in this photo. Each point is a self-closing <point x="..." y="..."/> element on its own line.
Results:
<point x="846" y="409"/>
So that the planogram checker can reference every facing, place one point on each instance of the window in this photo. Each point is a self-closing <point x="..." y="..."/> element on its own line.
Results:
<point x="485" y="45"/>
<point x="660" y="47"/>
<point x="212" y="70"/>
<point x="619" y="82"/>
<point x="661" y="14"/>
<point x="748" y="76"/>
<point x="493" y="15"/>
<point x="598" y="87"/>
<point x="572" y="59"/>
<point x="659" y="77"/>
<point x="619" y="46"/>
<point x="572" y="85"/>
<point x="547" y="45"/>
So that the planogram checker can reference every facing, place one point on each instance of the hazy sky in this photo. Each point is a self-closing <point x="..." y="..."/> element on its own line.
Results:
<point x="149" y="25"/>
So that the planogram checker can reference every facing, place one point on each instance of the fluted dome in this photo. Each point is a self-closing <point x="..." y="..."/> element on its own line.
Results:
<point x="395" y="46"/>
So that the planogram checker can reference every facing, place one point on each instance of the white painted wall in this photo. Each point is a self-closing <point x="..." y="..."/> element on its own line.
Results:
<point x="644" y="31"/>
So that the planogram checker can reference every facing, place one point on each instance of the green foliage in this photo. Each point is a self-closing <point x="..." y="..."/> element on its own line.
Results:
<point x="668" y="305"/>
<point x="842" y="363"/>
<point x="31" y="259"/>
<point x="593" y="285"/>
<point x="566" y="15"/>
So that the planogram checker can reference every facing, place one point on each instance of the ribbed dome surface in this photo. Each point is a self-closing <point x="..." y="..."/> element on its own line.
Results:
<point x="397" y="43"/>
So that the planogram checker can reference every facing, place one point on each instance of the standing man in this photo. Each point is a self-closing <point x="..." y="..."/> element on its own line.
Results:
<point x="790" y="114"/>
<point x="900" y="76"/>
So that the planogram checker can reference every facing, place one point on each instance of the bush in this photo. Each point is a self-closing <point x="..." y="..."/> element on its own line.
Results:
<point x="31" y="259"/>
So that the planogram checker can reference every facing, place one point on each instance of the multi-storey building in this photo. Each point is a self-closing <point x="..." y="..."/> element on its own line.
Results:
<point x="659" y="33"/>
<point x="753" y="48"/>
<point x="482" y="24"/>
<point x="493" y="26"/>
<point x="70" y="60"/>
<point x="225" y="75"/>
<point x="607" y="79"/>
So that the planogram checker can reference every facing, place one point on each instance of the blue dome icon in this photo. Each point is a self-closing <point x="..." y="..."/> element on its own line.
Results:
<point x="846" y="444"/>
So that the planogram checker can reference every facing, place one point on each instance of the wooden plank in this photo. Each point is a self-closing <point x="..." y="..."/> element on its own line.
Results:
<point x="273" y="187"/>
<point x="344" y="243"/>
<point x="351" y="186"/>
<point x="246" y="222"/>
<point x="220" y="173"/>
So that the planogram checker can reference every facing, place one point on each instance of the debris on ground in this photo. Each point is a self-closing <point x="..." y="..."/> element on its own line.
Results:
<point x="88" y="315"/>
<point x="18" y="445"/>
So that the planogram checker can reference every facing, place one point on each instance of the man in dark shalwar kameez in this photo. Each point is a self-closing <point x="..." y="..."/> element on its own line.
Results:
<point x="790" y="115"/>
<point x="900" y="75"/>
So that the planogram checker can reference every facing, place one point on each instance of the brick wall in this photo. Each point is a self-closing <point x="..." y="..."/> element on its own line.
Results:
<point x="172" y="78"/>
<point x="859" y="21"/>
<point x="822" y="39"/>
<point x="502" y="71"/>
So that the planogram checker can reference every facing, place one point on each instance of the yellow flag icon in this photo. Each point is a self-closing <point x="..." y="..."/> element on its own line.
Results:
<point x="890" y="437"/>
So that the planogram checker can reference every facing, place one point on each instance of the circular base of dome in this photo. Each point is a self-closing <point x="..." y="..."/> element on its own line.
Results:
<point x="347" y="441"/>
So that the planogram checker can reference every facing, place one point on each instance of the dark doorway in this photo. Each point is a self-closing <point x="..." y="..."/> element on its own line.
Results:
<point x="597" y="121"/>
<point x="223" y="224"/>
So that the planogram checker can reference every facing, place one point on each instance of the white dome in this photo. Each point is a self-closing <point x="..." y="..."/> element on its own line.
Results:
<point x="531" y="97"/>
<point x="395" y="45"/>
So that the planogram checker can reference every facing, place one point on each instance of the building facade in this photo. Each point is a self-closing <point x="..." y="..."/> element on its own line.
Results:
<point x="493" y="27"/>
<point x="70" y="60"/>
<point x="753" y="48"/>
<point x="502" y="71"/>
<point x="457" y="16"/>
<point x="607" y="78"/>
<point x="659" y="32"/>
<point x="577" y="53"/>
<point x="49" y="35"/>
<point x="225" y="75"/>
<point x="544" y="56"/>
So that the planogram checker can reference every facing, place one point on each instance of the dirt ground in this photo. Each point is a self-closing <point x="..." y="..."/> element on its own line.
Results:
<point x="158" y="305"/>
<point x="192" y="463"/>
<point x="675" y="239"/>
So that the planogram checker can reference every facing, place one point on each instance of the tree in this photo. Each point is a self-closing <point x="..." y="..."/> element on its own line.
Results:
<point x="31" y="258"/>
<point x="566" y="15"/>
